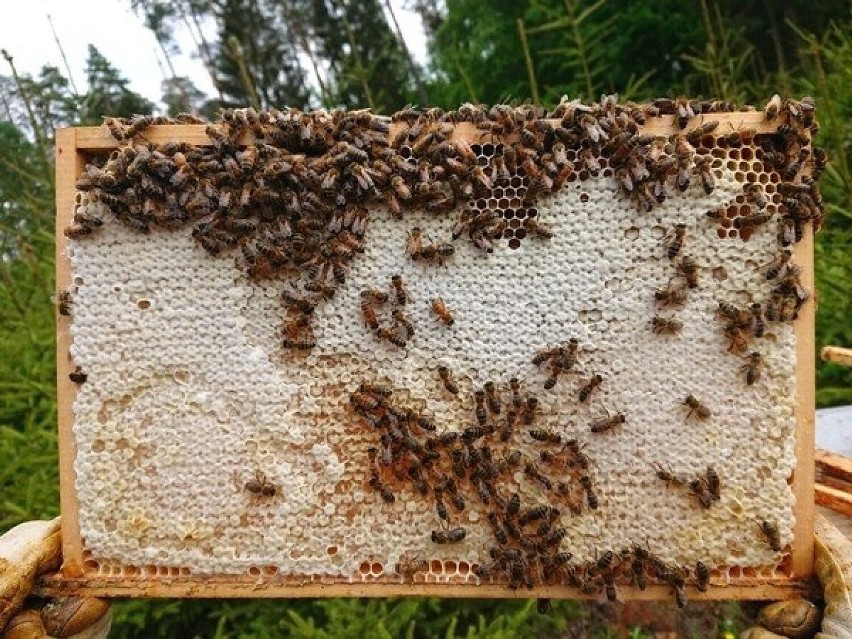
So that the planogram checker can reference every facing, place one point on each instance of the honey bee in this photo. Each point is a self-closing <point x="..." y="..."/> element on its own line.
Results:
<point x="778" y="264"/>
<point x="479" y="398"/>
<point x="772" y="107"/>
<point x="407" y="568"/>
<point x="738" y="337"/>
<point x="702" y="576"/>
<point x="697" y="408"/>
<point x="770" y="530"/>
<point x="713" y="483"/>
<point x="515" y="386"/>
<point x="546" y="436"/>
<point x="494" y="403"/>
<point x="754" y="194"/>
<point x="78" y="376"/>
<point x="399" y="290"/>
<point x="688" y="269"/>
<point x="538" y="230"/>
<point x="532" y="471"/>
<point x="390" y="336"/>
<point x="302" y="344"/>
<point x="751" y="368"/>
<point x="65" y="302"/>
<point x="699" y="489"/>
<point x="666" y="475"/>
<point x="451" y="536"/>
<point x="675" y="242"/>
<point x="414" y="246"/>
<point x="546" y="354"/>
<point x="607" y="423"/>
<point x="758" y="326"/>
<point x="695" y="135"/>
<point x="665" y="326"/>
<point x="530" y="410"/>
<point x="387" y="495"/>
<point x="752" y="221"/>
<point x="440" y="309"/>
<point x="670" y="296"/>
<point x="586" y="391"/>
<point x="401" y="319"/>
<point x="703" y="166"/>
<point x="259" y="485"/>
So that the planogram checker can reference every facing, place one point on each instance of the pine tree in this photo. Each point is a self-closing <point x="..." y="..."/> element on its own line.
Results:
<point x="108" y="93"/>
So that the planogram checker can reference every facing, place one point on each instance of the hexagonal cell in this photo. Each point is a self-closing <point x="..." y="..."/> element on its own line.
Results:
<point x="521" y="233"/>
<point x="514" y="243"/>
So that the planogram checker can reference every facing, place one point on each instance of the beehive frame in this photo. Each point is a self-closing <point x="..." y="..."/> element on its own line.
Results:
<point x="75" y="145"/>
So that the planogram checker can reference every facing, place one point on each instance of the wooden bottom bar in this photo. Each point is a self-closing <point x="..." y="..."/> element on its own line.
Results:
<point x="55" y="584"/>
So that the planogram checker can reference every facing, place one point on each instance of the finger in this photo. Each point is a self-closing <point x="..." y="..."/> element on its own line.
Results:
<point x="25" y="625"/>
<point x="25" y="551"/>
<point x="794" y="618"/>
<point x="98" y="630"/>
<point x="834" y="568"/>
<point x="69" y="616"/>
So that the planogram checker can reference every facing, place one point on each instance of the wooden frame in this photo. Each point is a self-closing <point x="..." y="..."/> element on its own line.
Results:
<point x="73" y="145"/>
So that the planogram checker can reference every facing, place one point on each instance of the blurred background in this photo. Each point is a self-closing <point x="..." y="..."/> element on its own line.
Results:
<point x="69" y="63"/>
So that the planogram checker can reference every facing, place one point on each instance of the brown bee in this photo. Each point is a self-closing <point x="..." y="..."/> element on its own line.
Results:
<point x="65" y="302"/>
<point x="390" y="336"/>
<point x="259" y="485"/>
<point x="401" y="319"/>
<point x="772" y="535"/>
<point x="447" y="378"/>
<point x="675" y="242"/>
<point x="665" y="325"/>
<point x="695" y="135"/>
<point x="530" y="411"/>
<point x="546" y="436"/>
<point x="481" y="416"/>
<point x="702" y="576"/>
<point x="699" y="489"/>
<point x="515" y="386"/>
<point x="751" y="368"/>
<point x="440" y="309"/>
<point x="752" y="221"/>
<point x="695" y="407"/>
<point x="304" y="344"/>
<point x="452" y="536"/>
<point x="754" y="193"/>
<point x="667" y="475"/>
<point x="688" y="269"/>
<point x="606" y="423"/>
<point x="586" y="391"/>
<point x="738" y="337"/>
<point x="414" y="247"/>
<point x="713" y="483"/>
<point x="494" y="403"/>
<point x="370" y="318"/>
<point x="703" y="165"/>
<point x="772" y="107"/>
<point x="538" y="230"/>
<point x="758" y="326"/>
<point x="78" y="376"/>
<point x="778" y="264"/>
<point x="407" y="568"/>
<point x="546" y="354"/>
<point x="532" y="471"/>
<point x="670" y="296"/>
<point x="399" y="289"/>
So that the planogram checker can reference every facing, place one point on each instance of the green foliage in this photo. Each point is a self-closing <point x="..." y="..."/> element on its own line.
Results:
<point x="108" y="93"/>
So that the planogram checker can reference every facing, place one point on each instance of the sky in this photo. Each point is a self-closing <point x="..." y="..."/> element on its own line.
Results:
<point x="121" y="37"/>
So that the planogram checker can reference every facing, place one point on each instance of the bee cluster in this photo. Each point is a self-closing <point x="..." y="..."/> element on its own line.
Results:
<point x="290" y="195"/>
<point x="482" y="461"/>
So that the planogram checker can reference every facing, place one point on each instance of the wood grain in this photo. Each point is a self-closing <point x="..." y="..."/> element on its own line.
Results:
<point x="69" y="165"/>
<point x="838" y="355"/>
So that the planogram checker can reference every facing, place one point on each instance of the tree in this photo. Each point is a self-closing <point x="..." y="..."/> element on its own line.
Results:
<point x="108" y="94"/>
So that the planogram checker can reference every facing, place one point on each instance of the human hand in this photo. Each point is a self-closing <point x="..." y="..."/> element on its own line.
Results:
<point x="799" y="618"/>
<point x="27" y="551"/>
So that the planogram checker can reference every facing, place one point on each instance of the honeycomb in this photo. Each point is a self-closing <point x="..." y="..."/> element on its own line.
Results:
<point x="190" y="397"/>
